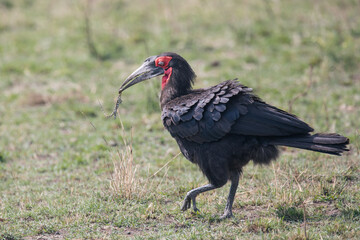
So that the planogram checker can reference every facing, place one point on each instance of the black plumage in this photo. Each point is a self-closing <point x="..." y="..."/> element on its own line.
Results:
<point x="223" y="127"/>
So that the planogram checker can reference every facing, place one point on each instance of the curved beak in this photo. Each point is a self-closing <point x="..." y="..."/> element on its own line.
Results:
<point x="146" y="71"/>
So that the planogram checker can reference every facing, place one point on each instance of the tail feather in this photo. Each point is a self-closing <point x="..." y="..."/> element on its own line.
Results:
<point x="330" y="143"/>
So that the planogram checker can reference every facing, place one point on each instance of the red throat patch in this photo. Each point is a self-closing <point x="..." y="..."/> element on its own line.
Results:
<point x="166" y="77"/>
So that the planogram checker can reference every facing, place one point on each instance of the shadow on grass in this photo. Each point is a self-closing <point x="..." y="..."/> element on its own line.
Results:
<point x="290" y="213"/>
<point x="2" y="157"/>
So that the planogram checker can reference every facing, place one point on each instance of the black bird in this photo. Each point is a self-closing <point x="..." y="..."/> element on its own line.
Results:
<point x="223" y="127"/>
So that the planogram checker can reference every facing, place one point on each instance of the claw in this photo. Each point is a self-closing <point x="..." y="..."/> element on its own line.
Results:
<point x="191" y="196"/>
<point x="187" y="204"/>
<point x="227" y="214"/>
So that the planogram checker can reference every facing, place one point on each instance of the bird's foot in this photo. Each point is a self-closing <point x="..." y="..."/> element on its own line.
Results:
<point x="196" y="210"/>
<point x="187" y="203"/>
<point x="227" y="214"/>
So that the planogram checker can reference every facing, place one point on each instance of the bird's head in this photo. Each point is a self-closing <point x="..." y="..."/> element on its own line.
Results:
<point x="175" y="70"/>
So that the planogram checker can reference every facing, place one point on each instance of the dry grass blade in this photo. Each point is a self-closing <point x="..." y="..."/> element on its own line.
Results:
<point x="124" y="181"/>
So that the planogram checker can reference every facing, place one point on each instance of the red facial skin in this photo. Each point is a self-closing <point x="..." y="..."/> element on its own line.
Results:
<point x="163" y="62"/>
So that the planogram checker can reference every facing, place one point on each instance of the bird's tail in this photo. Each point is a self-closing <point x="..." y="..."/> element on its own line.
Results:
<point x="330" y="143"/>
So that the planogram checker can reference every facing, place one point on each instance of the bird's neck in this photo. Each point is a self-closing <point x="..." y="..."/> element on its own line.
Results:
<point x="179" y="84"/>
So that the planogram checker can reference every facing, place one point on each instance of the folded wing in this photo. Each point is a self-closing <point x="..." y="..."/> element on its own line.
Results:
<point x="207" y="115"/>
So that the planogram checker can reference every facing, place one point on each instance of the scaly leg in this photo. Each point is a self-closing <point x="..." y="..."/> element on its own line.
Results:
<point x="234" y="184"/>
<point x="191" y="196"/>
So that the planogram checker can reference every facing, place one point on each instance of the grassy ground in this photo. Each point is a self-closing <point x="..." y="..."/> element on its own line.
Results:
<point x="57" y="149"/>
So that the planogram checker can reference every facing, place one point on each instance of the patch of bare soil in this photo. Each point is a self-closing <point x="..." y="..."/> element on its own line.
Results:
<point x="132" y="231"/>
<point x="55" y="236"/>
<point x="327" y="208"/>
<point x="39" y="99"/>
<point x="38" y="93"/>
<point x="251" y="213"/>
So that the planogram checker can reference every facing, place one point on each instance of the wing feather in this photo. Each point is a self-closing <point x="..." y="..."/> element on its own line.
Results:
<point x="207" y="115"/>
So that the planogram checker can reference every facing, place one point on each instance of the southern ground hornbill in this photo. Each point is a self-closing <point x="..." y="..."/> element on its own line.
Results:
<point x="223" y="127"/>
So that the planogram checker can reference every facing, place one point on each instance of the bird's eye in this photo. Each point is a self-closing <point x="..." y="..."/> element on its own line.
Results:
<point x="162" y="61"/>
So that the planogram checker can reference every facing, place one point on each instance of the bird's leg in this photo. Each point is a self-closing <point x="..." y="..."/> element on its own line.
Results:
<point x="191" y="196"/>
<point x="234" y="178"/>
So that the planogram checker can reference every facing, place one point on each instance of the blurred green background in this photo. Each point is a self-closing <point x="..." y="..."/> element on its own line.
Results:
<point x="62" y="61"/>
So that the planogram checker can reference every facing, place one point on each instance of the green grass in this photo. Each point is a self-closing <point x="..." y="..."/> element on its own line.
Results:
<point x="55" y="167"/>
